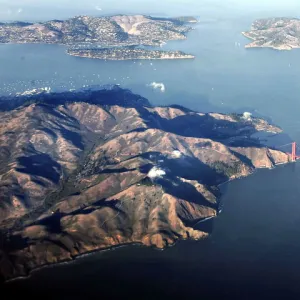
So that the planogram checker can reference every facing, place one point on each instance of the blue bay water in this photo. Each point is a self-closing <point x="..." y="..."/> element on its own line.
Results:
<point x="223" y="77"/>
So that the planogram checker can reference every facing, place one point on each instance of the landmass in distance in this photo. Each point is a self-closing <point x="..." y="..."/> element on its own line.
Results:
<point x="276" y="33"/>
<point x="119" y="37"/>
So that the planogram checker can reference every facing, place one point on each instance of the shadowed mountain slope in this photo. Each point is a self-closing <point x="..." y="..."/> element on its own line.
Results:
<point x="86" y="170"/>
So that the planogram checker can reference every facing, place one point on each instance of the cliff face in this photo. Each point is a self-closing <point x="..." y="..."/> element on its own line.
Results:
<point x="276" y="33"/>
<point x="86" y="171"/>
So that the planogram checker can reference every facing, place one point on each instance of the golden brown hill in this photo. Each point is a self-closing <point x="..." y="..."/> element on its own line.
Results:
<point x="90" y="170"/>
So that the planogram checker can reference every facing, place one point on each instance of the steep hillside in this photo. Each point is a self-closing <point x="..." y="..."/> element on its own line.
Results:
<point x="88" y="170"/>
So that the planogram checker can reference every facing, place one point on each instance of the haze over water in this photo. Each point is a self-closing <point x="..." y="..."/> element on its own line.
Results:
<point x="254" y="249"/>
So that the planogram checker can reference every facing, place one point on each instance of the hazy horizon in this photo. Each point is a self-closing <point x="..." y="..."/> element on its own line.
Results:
<point x="40" y="10"/>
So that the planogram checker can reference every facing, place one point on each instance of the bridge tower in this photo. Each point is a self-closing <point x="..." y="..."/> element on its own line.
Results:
<point x="294" y="147"/>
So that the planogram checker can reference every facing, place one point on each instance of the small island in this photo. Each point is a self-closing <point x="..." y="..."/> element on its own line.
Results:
<point x="111" y="34"/>
<point x="128" y="53"/>
<point x="276" y="33"/>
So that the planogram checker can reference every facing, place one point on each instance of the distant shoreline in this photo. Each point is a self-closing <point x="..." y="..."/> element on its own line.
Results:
<point x="121" y="31"/>
<point x="187" y="56"/>
<point x="280" y="34"/>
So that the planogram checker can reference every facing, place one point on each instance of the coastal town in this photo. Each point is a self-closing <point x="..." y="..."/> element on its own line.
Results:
<point x="104" y="32"/>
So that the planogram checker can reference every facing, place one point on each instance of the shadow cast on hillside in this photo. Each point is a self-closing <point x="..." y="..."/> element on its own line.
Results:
<point x="189" y="125"/>
<point x="111" y="95"/>
<point x="41" y="165"/>
<point x="187" y="168"/>
<point x="194" y="125"/>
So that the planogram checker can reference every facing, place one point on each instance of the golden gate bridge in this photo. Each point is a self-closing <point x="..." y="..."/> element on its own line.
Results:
<point x="293" y="154"/>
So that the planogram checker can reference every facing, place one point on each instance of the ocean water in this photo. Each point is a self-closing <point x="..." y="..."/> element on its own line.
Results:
<point x="253" y="251"/>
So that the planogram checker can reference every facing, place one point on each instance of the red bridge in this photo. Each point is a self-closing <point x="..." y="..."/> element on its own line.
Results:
<point x="293" y="155"/>
<point x="294" y="152"/>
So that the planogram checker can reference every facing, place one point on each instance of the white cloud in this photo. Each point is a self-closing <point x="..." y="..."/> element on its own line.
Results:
<point x="20" y="10"/>
<point x="158" y="85"/>
<point x="156" y="173"/>
<point x="98" y="8"/>
<point x="176" y="154"/>
<point x="247" y="116"/>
